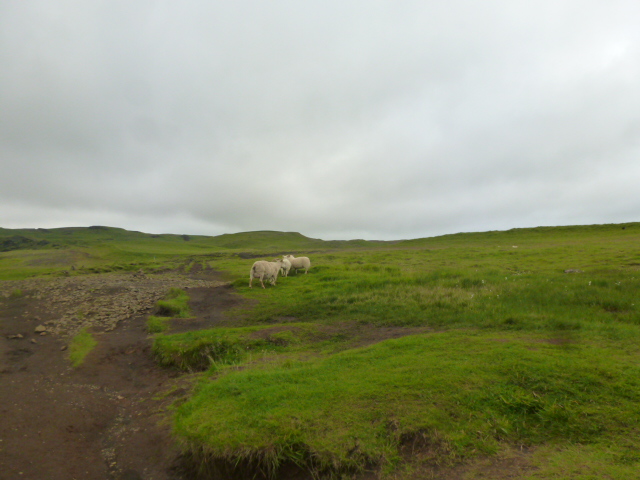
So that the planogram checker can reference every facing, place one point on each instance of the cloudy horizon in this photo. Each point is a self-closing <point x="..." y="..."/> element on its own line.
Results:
<point x="339" y="120"/>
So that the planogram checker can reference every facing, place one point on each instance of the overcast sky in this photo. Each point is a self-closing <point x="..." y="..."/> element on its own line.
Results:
<point x="336" y="119"/>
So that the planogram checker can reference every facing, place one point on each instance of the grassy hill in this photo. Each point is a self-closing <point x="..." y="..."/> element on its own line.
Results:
<point x="402" y="359"/>
<point x="28" y="252"/>
<point x="531" y="343"/>
<point x="14" y="239"/>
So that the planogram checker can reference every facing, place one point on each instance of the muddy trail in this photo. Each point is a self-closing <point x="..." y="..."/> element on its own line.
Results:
<point x="106" y="419"/>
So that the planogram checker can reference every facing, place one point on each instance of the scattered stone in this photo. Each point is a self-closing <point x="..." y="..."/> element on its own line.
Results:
<point x="42" y="334"/>
<point x="63" y="348"/>
<point x="573" y="270"/>
<point x="40" y="328"/>
<point x="17" y="336"/>
<point x="99" y="302"/>
<point x="33" y="340"/>
<point x="139" y="274"/>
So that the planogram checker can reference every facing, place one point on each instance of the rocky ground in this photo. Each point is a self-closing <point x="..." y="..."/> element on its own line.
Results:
<point x="105" y="419"/>
<point x="100" y="302"/>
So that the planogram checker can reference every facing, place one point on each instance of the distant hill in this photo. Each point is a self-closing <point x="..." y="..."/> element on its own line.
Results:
<point x="267" y="240"/>
<point x="41" y="238"/>
<point x="37" y="238"/>
<point x="515" y="236"/>
<point x="56" y="251"/>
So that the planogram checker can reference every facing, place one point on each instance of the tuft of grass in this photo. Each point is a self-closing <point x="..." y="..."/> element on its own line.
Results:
<point x="175" y="304"/>
<point x="16" y="293"/>
<point x="157" y="324"/>
<point x="200" y="349"/>
<point x="80" y="347"/>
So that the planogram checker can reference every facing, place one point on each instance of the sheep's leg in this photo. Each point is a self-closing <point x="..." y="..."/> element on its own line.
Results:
<point x="261" y="282"/>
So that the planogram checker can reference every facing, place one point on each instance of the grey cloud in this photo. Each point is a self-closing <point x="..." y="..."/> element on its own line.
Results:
<point x="335" y="119"/>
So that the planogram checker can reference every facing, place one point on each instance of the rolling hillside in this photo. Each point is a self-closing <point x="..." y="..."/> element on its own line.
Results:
<point x="393" y="360"/>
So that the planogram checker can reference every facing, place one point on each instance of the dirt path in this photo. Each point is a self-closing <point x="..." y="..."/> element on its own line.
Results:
<point x="105" y="419"/>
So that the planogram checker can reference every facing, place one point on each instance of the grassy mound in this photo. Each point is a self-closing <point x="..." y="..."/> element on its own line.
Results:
<point x="452" y="395"/>
<point x="175" y="304"/>
<point x="202" y="349"/>
<point x="537" y="347"/>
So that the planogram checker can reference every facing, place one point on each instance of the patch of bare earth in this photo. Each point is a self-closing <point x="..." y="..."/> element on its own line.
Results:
<point x="510" y="464"/>
<point x="105" y="419"/>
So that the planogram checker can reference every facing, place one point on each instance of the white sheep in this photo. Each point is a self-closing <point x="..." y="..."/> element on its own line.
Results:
<point x="298" y="263"/>
<point x="286" y="267"/>
<point x="263" y="269"/>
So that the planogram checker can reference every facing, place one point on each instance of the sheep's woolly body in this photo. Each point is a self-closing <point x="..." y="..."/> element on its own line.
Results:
<point x="285" y="267"/>
<point x="298" y="262"/>
<point x="265" y="270"/>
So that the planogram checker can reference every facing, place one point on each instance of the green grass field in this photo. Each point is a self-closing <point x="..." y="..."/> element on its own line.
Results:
<point x="93" y="250"/>
<point x="529" y="339"/>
